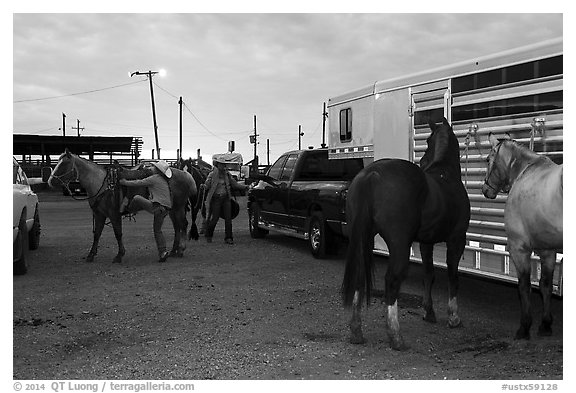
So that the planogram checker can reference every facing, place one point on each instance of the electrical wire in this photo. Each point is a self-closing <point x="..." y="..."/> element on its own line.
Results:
<point x="76" y="94"/>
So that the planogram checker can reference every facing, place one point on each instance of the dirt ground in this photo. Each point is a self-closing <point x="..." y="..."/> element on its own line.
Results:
<point x="260" y="309"/>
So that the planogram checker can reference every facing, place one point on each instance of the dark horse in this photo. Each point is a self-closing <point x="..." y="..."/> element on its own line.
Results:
<point x="199" y="179"/>
<point x="533" y="218"/>
<point x="404" y="203"/>
<point x="105" y="196"/>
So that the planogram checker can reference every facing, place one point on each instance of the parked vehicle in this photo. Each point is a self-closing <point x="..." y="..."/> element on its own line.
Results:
<point x="519" y="92"/>
<point x="303" y="194"/>
<point x="26" y="219"/>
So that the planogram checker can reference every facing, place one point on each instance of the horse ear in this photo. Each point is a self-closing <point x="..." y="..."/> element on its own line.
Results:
<point x="432" y="125"/>
<point x="445" y="122"/>
<point x="493" y="140"/>
<point x="507" y="136"/>
<point x="67" y="152"/>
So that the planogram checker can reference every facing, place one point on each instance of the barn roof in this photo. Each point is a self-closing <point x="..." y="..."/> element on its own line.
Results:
<point x="55" y="145"/>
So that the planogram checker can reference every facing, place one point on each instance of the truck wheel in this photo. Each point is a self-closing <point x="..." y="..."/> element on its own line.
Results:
<point x="34" y="234"/>
<point x="255" y="231"/>
<point x="318" y="237"/>
<point x="21" y="247"/>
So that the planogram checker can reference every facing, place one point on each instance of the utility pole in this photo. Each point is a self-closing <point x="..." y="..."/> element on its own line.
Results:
<point x="300" y="135"/>
<point x="77" y="128"/>
<point x="255" y="147"/>
<point x="149" y="74"/>
<point x="180" y="151"/>
<point x="324" y="116"/>
<point x="63" y="124"/>
<point x="268" y="151"/>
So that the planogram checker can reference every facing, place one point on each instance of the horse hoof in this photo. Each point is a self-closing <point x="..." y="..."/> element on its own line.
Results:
<point x="90" y="258"/>
<point x="398" y="345"/>
<point x="117" y="260"/>
<point x="429" y="317"/>
<point x="544" y="331"/>
<point x="522" y="334"/>
<point x="455" y="322"/>
<point x="357" y="339"/>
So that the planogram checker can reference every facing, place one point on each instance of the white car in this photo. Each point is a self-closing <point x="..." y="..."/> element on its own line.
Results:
<point x="26" y="219"/>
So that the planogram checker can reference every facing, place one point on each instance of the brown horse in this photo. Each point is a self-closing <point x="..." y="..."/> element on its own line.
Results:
<point x="105" y="195"/>
<point x="404" y="203"/>
<point x="533" y="218"/>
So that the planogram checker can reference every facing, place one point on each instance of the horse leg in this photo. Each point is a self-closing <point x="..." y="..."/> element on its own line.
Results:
<point x="179" y="223"/>
<point x="454" y="250"/>
<point x="548" y="259"/>
<point x="426" y="252"/>
<point x="193" y="234"/>
<point x="99" y="220"/>
<point x="117" y="226"/>
<point x="175" y="225"/>
<point x="521" y="259"/>
<point x="397" y="269"/>
<point x="356" y="336"/>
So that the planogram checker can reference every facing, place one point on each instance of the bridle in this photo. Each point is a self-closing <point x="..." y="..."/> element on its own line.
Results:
<point x="88" y="198"/>
<point x="491" y="168"/>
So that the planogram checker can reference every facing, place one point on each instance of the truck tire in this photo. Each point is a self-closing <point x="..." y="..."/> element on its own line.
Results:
<point x="255" y="231"/>
<point x="34" y="234"/>
<point x="21" y="247"/>
<point x="318" y="235"/>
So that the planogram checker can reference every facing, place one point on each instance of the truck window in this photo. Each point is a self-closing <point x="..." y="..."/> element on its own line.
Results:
<point x="346" y="125"/>
<point x="318" y="167"/>
<point x="276" y="168"/>
<point x="289" y="167"/>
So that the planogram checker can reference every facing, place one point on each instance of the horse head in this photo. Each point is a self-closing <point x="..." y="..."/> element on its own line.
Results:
<point x="64" y="170"/>
<point x="497" y="178"/>
<point x="443" y="152"/>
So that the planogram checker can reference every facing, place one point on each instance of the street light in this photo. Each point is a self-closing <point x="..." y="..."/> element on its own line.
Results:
<point x="300" y="135"/>
<point x="149" y="74"/>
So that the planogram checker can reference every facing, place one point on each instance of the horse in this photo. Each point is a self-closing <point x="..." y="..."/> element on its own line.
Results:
<point x="197" y="205"/>
<point x="532" y="218"/>
<point x="403" y="203"/>
<point x="104" y="196"/>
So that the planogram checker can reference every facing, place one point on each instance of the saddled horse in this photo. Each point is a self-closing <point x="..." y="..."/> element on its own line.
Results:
<point x="105" y="196"/>
<point x="197" y="205"/>
<point x="532" y="218"/>
<point x="403" y="203"/>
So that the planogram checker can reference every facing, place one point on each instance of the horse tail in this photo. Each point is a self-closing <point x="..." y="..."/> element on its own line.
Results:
<point x="359" y="264"/>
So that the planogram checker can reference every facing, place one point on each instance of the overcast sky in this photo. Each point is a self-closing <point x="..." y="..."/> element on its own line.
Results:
<point x="230" y="67"/>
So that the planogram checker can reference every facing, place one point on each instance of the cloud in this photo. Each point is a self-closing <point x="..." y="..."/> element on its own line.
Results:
<point x="230" y="67"/>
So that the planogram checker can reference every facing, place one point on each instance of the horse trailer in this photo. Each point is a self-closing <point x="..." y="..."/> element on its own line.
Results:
<point x="519" y="92"/>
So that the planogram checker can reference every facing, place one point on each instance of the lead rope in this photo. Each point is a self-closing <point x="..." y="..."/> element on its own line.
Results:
<point x="538" y="127"/>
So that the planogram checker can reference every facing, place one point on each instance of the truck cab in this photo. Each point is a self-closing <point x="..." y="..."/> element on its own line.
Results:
<point x="303" y="194"/>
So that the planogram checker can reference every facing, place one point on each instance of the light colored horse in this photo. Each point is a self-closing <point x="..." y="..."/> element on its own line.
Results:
<point x="104" y="197"/>
<point x="532" y="218"/>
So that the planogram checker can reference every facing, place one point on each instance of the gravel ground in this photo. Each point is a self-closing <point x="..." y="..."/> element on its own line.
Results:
<point x="262" y="309"/>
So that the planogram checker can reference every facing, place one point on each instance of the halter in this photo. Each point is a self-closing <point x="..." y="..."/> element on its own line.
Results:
<point x="489" y="172"/>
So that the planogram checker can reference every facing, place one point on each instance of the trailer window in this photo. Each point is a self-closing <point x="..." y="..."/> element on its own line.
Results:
<point x="430" y="115"/>
<point x="510" y="106"/>
<point x="346" y="125"/>
<point x="511" y="74"/>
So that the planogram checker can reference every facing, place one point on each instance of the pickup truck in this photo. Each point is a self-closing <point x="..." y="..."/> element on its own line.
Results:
<point x="303" y="194"/>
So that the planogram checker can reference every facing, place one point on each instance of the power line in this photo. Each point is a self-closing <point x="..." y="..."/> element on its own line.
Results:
<point x="77" y="94"/>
